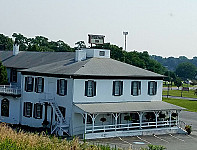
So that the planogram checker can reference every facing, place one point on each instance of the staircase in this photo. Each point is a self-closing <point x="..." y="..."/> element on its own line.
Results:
<point x="61" y="125"/>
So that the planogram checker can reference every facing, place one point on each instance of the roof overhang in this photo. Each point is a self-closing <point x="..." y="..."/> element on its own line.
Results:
<point x="124" y="107"/>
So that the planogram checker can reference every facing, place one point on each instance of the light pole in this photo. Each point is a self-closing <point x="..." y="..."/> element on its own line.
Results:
<point x="125" y="34"/>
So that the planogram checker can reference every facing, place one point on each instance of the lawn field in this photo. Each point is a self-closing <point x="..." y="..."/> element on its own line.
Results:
<point x="178" y="93"/>
<point x="189" y="105"/>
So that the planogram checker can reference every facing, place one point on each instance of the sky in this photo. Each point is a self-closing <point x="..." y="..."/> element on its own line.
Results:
<point x="161" y="27"/>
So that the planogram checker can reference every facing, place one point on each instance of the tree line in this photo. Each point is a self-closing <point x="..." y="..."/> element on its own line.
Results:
<point x="183" y="69"/>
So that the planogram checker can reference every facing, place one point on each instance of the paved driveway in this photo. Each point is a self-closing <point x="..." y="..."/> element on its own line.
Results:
<point x="170" y="141"/>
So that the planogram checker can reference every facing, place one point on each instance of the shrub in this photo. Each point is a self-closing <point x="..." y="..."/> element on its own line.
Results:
<point x="188" y="128"/>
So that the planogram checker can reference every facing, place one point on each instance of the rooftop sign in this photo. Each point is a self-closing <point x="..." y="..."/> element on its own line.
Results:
<point x="95" y="39"/>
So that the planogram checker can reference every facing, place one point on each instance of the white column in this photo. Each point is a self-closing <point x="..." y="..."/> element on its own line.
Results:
<point x="140" y="117"/>
<point x="93" y="119"/>
<point x="85" y="121"/>
<point x="116" y="119"/>
<point x="156" y="113"/>
<point x="170" y="118"/>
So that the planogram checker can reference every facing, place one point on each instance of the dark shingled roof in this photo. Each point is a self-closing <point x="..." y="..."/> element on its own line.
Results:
<point x="63" y="63"/>
<point x="28" y="59"/>
<point x="93" y="67"/>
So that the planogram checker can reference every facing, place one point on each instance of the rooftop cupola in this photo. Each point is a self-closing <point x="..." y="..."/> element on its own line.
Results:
<point x="91" y="52"/>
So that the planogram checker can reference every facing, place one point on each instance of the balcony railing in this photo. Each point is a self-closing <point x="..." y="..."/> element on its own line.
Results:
<point x="10" y="90"/>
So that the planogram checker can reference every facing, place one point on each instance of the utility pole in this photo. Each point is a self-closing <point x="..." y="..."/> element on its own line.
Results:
<point x="125" y="34"/>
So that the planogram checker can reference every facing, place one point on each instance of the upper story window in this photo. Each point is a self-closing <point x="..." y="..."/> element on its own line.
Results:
<point x="29" y="82"/>
<point x="117" y="88"/>
<point x="135" y="88"/>
<point x="152" y="88"/>
<point x="90" y="88"/>
<point x="13" y="75"/>
<point x="27" y="109"/>
<point x="39" y="85"/>
<point x="62" y="87"/>
<point x="38" y="110"/>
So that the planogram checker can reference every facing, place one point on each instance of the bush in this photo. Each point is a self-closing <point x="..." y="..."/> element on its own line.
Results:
<point x="154" y="147"/>
<point x="188" y="128"/>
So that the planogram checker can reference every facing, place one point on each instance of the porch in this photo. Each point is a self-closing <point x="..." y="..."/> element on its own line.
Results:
<point x="127" y="119"/>
<point x="10" y="90"/>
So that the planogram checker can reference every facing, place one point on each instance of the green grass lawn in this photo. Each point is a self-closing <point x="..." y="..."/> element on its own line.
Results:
<point x="189" y="105"/>
<point x="178" y="93"/>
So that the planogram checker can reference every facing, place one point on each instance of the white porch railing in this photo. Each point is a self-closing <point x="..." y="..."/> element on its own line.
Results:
<point x="129" y="126"/>
<point x="8" y="89"/>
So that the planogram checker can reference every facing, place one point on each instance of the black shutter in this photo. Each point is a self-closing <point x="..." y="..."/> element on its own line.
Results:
<point x="42" y="84"/>
<point x="86" y="88"/>
<point x="139" y="90"/>
<point x="26" y="84"/>
<point x="113" y="90"/>
<point x="121" y="87"/>
<point x="11" y="75"/>
<point x="94" y="88"/>
<point x="148" y="88"/>
<point x="35" y="111"/>
<point x="32" y="85"/>
<point x="58" y="86"/>
<point x="132" y="88"/>
<point x="24" y="109"/>
<point x="155" y="88"/>
<point x="65" y="87"/>
<point x="36" y="84"/>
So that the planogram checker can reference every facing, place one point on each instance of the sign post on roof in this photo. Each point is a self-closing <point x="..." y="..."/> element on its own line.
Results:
<point x="95" y="39"/>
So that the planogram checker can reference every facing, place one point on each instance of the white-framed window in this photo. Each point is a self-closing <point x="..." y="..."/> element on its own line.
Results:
<point x="38" y="110"/>
<point x="135" y="88"/>
<point x="27" y="109"/>
<point x="39" y="85"/>
<point x="62" y="87"/>
<point x="117" y="88"/>
<point x="29" y="84"/>
<point x="90" y="88"/>
<point x="152" y="88"/>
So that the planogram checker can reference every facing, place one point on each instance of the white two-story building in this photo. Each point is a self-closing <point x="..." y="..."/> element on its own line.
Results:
<point x="84" y="93"/>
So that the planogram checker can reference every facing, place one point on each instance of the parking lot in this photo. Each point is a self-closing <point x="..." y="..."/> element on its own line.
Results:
<point x="170" y="141"/>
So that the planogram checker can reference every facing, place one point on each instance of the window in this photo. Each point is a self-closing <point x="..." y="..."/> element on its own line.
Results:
<point x="38" y="111"/>
<point x="39" y="85"/>
<point x="89" y="119"/>
<point x="62" y="87"/>
<point x="152" y="88"/>
<point x="29" y="82"/>
<point x="27" y="109"/>
<point x="5" y="107"/>
<point x="101" y="53"/>
<point x="117" y="88"/>
<point x="90" y="88"/>
<point x="135" y="88"/>
<point x="13" y="75"/>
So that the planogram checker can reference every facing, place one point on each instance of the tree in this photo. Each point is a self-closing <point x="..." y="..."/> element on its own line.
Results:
<point x="6" y="43"/>
<point x="3" y="74"/>
<point x="178" y="82"/>
<point x="186" y="70"/>
<point x="80" y="44"/>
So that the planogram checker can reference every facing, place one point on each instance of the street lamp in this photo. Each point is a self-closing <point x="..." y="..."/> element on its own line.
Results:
<point x="125" y="34"/>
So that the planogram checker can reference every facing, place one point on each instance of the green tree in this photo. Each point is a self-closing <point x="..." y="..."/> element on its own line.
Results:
<point x="3" y="74"/>
<point x="6" y="43"/>
<point x="186" y="70"/>
<point x="178" y="82"/>
<point x="80" y="44"/>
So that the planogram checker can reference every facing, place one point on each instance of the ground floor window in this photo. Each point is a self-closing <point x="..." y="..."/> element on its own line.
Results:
<point x="38" y="111"/>
<point x="27" y="109"/>
<point x="5" y="107"/>
<point x="62" y="110"/>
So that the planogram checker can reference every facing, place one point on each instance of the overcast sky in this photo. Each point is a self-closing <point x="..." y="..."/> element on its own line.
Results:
<point x="161" y="27"/>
